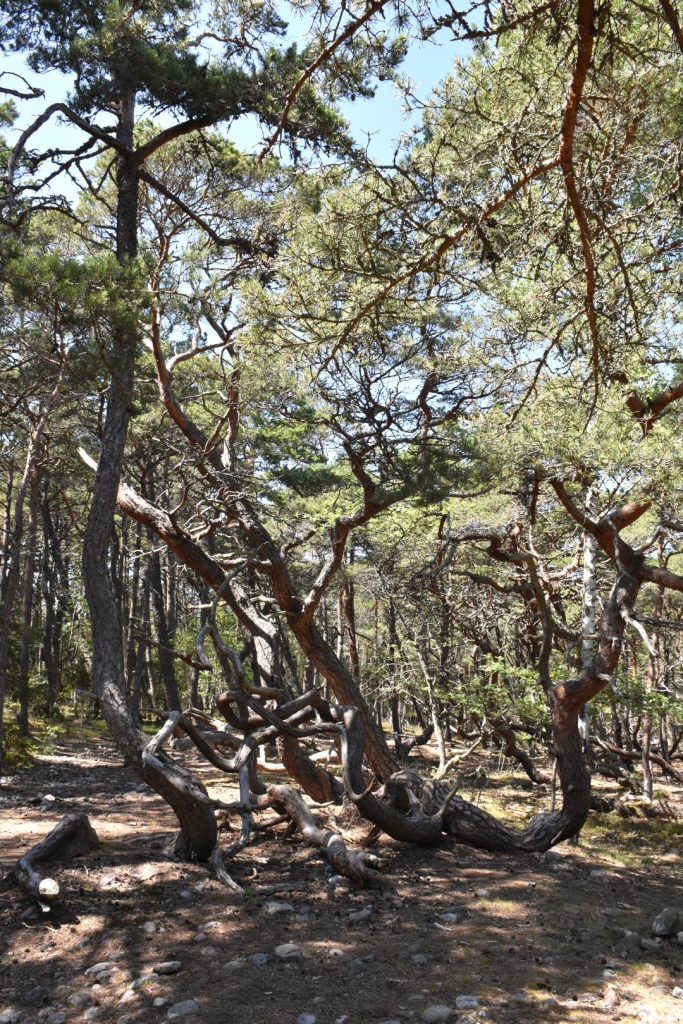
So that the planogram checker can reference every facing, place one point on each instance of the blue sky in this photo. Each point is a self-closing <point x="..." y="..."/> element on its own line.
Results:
<point x="381" y="119"/>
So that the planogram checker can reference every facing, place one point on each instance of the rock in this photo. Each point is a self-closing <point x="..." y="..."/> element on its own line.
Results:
<point x="611" y="998"/>
<point x="289" y="952"/>
<point x="274" y="907"/>
<point x="144" y="979"/>
<point x="210" y="925"/>
<point x="677" y="992"/>
<point x="159" y="1002"/>
<point x="631" y="939"/>
<point x="187" y="1008"/>
<point x="209" y="951"/>
<point x="335" y="951"/>
<point x="437" y="1014"/>
<point x="521" y="999"/>
<point x="168" y="967"/>
<point x="79" y="1000"/>
<point x="552" y="857"/>
<point x="357" y="916"/>
<point x="93" y="1013"/>
<point x="56" y="1018"/>
<point x="98" y="968"/>
<point x="128" y="996"/>
<point x="598" y="876"/>
<point x="483" y="893"/>
<point x="666" y="923"/>
<point x="448" y="918"/>
<point x="679" y="938"/>
<point x="10" y="1017"/>
<point x="466" y="1003"/>
<point x="306" y="1018"/>
<point x="199" y="937"/>
<point x="650" y="943"/>
<point x="233" y="965"/>
<point x="259" y="959"/>
<point x="149" y="927"/>
<point x="419" y="958"/>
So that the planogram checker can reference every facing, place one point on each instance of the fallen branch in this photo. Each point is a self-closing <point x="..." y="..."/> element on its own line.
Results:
<point x="72" y="837"/>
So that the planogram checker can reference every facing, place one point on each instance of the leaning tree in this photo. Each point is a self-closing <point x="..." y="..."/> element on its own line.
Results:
<point x="517" y="247"/>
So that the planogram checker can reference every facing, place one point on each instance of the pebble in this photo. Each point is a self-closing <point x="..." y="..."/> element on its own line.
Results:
<point x="159" y="1002"/>
<point x="306" y="1018"/>
<point x="234" y="965"/>
<point x="210" y="925"/>
<point x="93" y="1013"/>
<point x="357" y="916"/>
<point x="79" y="1000"/>
<point x="677" y="992"/>
<point x="335" y="951"/>
<point x="259" y="959"/>
<point x="482" y="892"/>
<point x="552" y="857"/>
<point x="143" y="980"/>
<point x="437" y="1014"/>
<point x="187" y="1008"/>
<point x="10" y="1017"/>
<point x="289" y="951"/>
<point x="199" y="937"/>
<point x="98" y="968"/>
<point x="466" y="1003"/>
<point x="149" y="927"/>
<point x="419" y="958"/>
<point x="666" y="923"/>
<point x="56" y="1018"/>
<point x="274" y="907"/>
<point x="209" y="951"/>
<point x="448" y="918"/>
<point x="611" y="998"/>
<point x="168" y="967"/>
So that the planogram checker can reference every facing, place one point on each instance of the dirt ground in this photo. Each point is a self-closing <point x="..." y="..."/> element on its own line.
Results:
<point x="532" y="940"/>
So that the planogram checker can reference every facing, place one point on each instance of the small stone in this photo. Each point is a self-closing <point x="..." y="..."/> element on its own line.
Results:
<point x="10" y="1017"/>
<point x="79" y="1000"/>
<point x="357" y="916"/>
<point x="306" y="1018"/>
<point x="437" y="1014"/>
<point x="482" y="892"/>
<point x="233" y="965"/>
<point x="56" y="1018"/>
<point x="159" y="1002"/>
<point x="552" y="857"/>
<point x="274" y="907"/>
<point x="419" y="958"/>
<point x="259" y="959"/>
<point x="149" y="927"/>
<point x="144" y="979"/>
<point x="210" y="925"/>
<point x="466" y="1003"/>
<point x="209" y="951"/>
<point x="199" y="937"/>
<point x="168" y="967"/>
<point x="677" y="992"/>
<point x="679" y="938"/>
<point x="93" y="1013"/>
<point x="631" y="939"/>
<point x="98" y="968"/>
<point x="448" y="918"/>
<point x="598" y="876"/>
<point x="335" y="951"/>
<point x="650" y="944"/>
<point x="128" y="996"/>
<point x="289" y="952"/>
<point x="666" y="923"/>
<point x="521" y="999"/>
<point x="186" y="1008"/>
<point x="611" y="998"/>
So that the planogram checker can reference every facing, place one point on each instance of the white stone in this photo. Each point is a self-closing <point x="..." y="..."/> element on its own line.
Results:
<point x="187" y="1008"/>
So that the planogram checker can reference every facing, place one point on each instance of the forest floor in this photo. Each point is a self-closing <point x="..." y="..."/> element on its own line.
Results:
<point x="531" y="939"/>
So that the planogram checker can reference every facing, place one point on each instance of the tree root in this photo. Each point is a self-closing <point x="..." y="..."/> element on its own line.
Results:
<point x="72" y="837"/>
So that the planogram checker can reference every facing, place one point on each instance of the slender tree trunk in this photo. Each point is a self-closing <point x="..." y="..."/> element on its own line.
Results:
<point x="198" y="823"/>
<point x="27" y="600"/>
